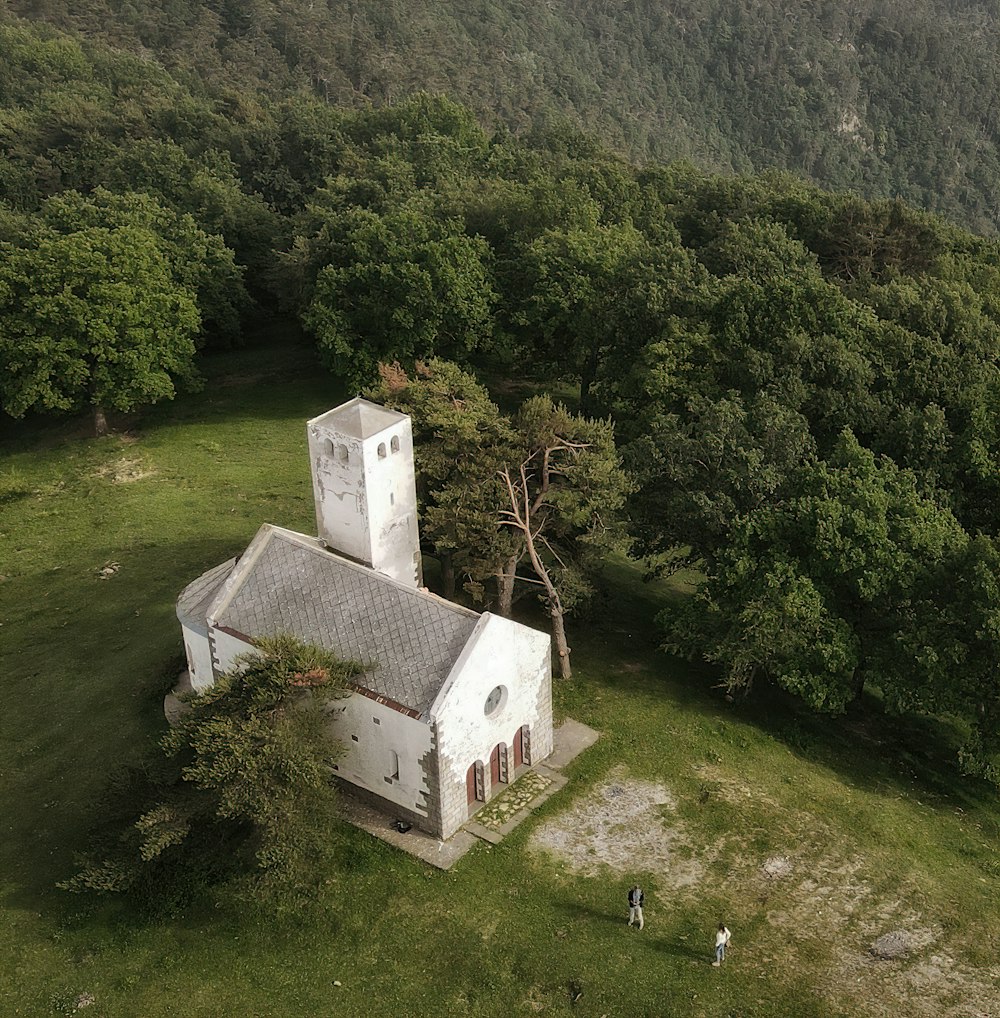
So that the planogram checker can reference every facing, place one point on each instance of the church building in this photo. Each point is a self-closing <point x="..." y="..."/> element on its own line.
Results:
<point x="453" y="703"/>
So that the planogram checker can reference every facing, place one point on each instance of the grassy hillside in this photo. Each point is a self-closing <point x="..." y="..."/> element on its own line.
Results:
<point x="889" y="98"/>
<point x="810" y="837"/>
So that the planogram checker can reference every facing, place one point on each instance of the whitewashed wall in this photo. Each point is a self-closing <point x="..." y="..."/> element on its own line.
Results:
<point x="339" y="491"/>
<point x="391" y="488"/>
<point x="499" y="653"/>
<point x="369" y="732"/>
<point x="366" y="497"/>
<point x="226" y="648"/>
<point x="199" y="657"/>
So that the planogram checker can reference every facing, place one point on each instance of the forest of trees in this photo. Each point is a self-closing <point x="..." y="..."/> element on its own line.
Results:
<point x="891" y="98"/>
<point x="791" y="390"/>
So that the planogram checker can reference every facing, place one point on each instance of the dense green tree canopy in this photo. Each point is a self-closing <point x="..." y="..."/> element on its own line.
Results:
<point x="92" y="318"/>
<point x="887" y="98"/>
<point x="813" y="590"/>
<point x="402" y="285"/>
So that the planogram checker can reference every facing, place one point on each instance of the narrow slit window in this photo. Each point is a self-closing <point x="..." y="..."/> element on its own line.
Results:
<point x="393" y="764"/>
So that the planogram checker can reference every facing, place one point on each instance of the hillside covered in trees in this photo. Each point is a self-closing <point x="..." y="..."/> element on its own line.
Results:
<point x="803" y="386"/>
<point x="798" y="388"/>
<point x="892" y="99"/>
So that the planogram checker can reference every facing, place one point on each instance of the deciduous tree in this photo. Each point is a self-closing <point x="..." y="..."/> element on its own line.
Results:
<point x="403" y="285"/>
<point x="92" y="318"/>
<point x="813" y="590"/>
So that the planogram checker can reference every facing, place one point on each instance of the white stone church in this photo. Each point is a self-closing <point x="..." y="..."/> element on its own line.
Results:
<point x="453" y="703"/>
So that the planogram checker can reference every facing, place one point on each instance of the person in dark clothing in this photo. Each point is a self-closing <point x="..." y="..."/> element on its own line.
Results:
<point x="635" y="900"/>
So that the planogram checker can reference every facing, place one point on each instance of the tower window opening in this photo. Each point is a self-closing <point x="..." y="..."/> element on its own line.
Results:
<point x="381" y="450"/>
<point x="394" y="444"/>
<point x="342" y="454"/>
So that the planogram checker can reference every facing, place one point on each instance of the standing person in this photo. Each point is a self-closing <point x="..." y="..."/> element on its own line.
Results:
<point x="635" y="900"/>
<point x="722" y="936"/>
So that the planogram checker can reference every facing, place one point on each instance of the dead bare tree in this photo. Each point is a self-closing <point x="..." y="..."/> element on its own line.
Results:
<point x="530" y="513"/>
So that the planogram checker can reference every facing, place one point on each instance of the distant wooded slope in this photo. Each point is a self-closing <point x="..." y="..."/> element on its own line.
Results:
<point x="890" y="98"/>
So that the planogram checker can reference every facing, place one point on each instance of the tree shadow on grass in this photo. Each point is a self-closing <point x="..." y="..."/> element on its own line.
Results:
<point x="582" y="911"/>
<point x="679" y="948"/>
<point x="867" y="747"/>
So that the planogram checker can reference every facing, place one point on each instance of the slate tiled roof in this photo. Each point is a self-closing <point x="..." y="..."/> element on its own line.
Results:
<point x="290" y="583"/>
<point x="192" y="605"/>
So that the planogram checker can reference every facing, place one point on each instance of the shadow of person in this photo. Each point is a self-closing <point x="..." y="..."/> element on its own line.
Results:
<point x="581" y="910"/>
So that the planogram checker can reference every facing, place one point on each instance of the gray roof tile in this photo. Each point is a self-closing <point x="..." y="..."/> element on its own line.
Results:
<point x="192" y="605"/>
<point x="290" y="583"/>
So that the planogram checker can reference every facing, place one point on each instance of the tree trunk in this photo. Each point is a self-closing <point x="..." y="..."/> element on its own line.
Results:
<point x="559" y="634"/>
<point x="505" y="586"/>
<point x="520" y="518"/>
<point x="588" y="374"/>
<point x="447" y="576"/>
<point x="100" y="422"/>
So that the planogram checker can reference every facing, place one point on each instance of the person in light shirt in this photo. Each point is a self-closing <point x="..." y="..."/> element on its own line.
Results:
<point x="722" y="936"/>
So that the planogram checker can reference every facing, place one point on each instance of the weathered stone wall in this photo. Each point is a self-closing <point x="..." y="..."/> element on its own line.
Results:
<point x="198" y="651"/>
<point x="338" y="477"/>
<point x="392" y="810"/>
<point x="364" y="488"/>
<point x="499" y="653"/>
<point x="370" y="732"/>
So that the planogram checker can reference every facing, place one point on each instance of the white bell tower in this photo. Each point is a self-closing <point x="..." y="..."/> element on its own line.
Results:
<point x="365" y="489"/>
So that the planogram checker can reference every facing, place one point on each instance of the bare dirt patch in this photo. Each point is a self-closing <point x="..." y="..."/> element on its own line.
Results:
<point x="625" y="824"/>
<point x="776" y="867"/>
<point x="125" y="471"/>
<point x="882" y="957"/>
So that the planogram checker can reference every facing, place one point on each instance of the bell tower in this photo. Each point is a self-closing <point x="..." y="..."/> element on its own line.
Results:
<point x="364" y="487"/>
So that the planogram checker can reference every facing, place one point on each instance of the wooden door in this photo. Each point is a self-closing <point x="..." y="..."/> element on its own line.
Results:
<point x="470" y="784"/>
<point x="495" y="765"/>
<point x="518" y="748"/>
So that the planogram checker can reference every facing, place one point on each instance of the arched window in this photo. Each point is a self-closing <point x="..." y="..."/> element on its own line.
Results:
<point x="381" y="450"/>
<point x="342" y="454"/>
<point x="394" y="444"/>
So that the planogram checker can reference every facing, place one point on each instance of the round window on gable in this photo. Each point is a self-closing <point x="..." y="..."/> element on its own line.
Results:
<point x="496" y="700"/>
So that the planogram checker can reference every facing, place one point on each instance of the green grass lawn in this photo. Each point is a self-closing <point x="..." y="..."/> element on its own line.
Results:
<point x="878" y="829"/>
